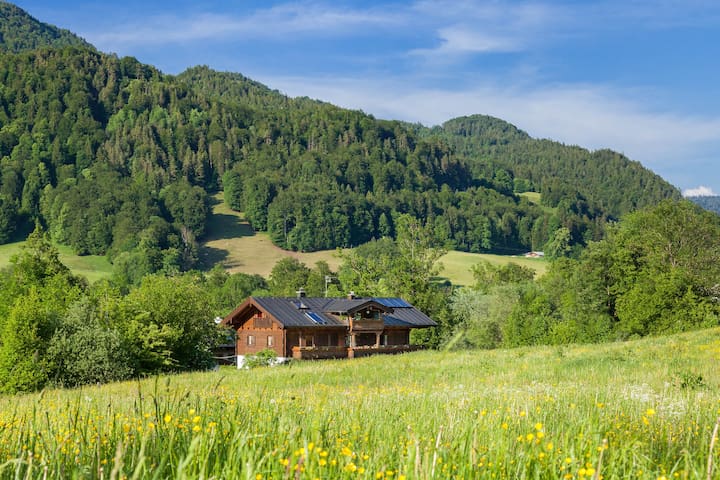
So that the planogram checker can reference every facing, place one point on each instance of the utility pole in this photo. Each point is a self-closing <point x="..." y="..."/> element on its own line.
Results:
<point x="328" y="281"/>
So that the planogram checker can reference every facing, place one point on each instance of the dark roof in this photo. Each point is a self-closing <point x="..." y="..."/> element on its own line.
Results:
<point x="291" y="312"/>
<point x="318" y="312"/>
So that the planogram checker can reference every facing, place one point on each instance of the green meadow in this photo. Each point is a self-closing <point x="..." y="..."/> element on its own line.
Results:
<point x="93" y="267"/>
<point x="644" y="409"/>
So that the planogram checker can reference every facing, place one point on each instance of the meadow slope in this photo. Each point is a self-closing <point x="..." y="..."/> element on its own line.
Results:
<point x="231" y="241"/>
<point x="643" y="409"/>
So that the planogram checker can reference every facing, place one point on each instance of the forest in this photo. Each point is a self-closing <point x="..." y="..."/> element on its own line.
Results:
<point x="711" y="202"/>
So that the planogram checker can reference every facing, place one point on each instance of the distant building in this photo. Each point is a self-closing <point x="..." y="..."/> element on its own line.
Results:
<point x="534" y="255"/>
<point x="314" y="328"/>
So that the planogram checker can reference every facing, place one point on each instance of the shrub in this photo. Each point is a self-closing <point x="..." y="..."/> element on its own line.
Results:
<point x="263" y="358"/>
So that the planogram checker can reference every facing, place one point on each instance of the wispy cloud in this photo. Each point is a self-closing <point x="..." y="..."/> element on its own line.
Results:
<point x="284" y="20"/>
<point x="460" y="39"/>
<point x="467" y="27"/>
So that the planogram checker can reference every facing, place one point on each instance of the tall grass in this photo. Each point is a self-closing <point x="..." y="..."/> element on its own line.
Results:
<point x="642" y="409"/>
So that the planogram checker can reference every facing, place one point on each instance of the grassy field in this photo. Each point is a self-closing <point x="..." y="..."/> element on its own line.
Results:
<point x="93" y="267"/>
<point x="641" y="410"/>
<point x="457" y="265"/>
<point x="233" y="243"/>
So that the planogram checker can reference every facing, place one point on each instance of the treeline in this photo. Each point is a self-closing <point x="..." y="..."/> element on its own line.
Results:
<point x="106" y="152"/>
<point x="656" y="273"/>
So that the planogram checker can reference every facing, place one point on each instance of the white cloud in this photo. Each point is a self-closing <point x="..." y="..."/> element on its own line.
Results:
<point x="700" y="191"/>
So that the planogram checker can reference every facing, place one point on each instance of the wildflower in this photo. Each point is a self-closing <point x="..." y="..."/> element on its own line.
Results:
<point x="538" y="426"/>
<point x="167" y="418"/>
<point x="650" y="412"/>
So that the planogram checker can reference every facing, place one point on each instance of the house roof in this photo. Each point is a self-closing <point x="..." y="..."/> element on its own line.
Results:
<point x="330" y="312"/>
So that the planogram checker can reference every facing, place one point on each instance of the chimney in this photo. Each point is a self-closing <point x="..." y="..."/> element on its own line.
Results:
<point x="351" y="296"/>
<point x="300" y="293"/>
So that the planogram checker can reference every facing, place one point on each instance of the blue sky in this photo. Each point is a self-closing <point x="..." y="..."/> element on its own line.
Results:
<point x="638" y="76"/>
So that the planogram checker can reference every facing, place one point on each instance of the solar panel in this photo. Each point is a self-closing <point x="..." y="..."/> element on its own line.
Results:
<point x="393" y="302"/>
<point x="316" y="318"/>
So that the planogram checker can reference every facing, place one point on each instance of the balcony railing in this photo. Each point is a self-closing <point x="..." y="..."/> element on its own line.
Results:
<point x="316" y="353"/>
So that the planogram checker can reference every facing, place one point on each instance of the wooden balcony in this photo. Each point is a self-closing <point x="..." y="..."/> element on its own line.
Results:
<point x="367" y="325"/>
<point x="317" y="353"/>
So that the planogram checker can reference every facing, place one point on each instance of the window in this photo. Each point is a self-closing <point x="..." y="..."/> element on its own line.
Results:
<point x="270" y="341"/>
<point x="251" y="339"/>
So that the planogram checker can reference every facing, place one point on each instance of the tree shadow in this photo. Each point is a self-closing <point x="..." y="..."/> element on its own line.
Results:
<point x="211" y="256"/>
<point x="222" y="226"/>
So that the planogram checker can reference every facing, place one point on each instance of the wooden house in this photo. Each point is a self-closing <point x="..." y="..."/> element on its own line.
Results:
<point x="314" y="328"/>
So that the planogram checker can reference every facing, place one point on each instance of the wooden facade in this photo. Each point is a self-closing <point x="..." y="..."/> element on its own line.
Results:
<point x="311" y="328"/>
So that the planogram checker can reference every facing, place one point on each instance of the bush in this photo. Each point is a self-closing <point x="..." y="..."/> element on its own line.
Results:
<point x="83" y="351"/>
<point x="263" y="358"/>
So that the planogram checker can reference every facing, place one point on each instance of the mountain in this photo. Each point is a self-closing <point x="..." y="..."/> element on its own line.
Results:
<point x="19" y="31"/>
<point x="116" y="158"/>
<point x="606" y="180"/>
<point x="711" y="203"/>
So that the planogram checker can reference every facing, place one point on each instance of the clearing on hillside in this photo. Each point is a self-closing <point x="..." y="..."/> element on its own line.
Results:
<point x="231" y="241"/>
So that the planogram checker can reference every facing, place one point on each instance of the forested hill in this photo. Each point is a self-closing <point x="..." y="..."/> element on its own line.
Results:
<point x="116" y="158"/>
<point x="711" y="203"/>
<point x="605" y="179"/>
<point x="19" y="31"/>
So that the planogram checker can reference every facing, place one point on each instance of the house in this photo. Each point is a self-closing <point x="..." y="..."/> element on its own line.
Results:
<point x="314" y="328"/>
